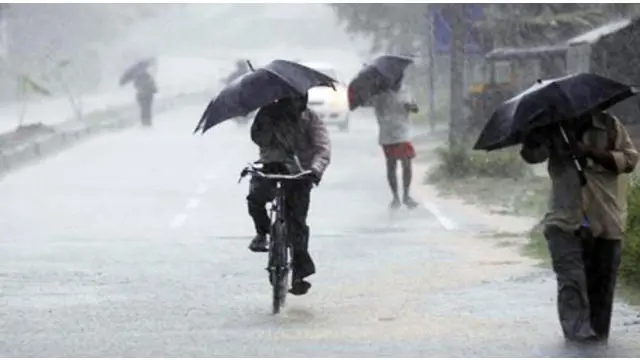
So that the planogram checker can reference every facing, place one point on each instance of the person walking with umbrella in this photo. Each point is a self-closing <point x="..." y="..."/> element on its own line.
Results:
<point x="145" y="86"/>
<point x="379" y="85"/>
<point x="585" y="225"/>
<point x="392" y="109"/>
<point x="589" y="154"/>
<point x="145" y="90"/>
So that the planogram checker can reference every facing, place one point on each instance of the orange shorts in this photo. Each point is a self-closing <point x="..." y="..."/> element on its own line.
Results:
<point x="403" y="150"/>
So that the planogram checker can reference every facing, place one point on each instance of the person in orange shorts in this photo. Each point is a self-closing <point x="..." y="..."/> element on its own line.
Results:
<point x="392" y="109"/>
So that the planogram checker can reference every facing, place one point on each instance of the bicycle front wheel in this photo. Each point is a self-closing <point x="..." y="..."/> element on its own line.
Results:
<point x="278" y="266"/>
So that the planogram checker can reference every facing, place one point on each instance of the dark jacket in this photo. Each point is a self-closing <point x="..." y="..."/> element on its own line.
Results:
<point x="144" y="84"/>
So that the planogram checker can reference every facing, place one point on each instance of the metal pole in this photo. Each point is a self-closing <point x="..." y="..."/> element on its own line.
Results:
<point x="4" y="40"/>
<point x="456" y="18"/>
<point x="431" y="68"/>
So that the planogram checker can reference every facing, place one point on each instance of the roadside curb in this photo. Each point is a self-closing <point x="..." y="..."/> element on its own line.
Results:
<point x="71" y="132"/>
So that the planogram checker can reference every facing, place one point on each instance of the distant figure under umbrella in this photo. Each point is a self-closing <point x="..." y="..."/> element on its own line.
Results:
<point x="242" y="67"/>
<point x="145" y="86"/>
<point x="392" y="109"/>
<point x="379" y="84"/>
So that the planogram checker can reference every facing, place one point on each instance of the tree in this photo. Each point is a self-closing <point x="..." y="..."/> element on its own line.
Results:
<point x="507" y="24"/>
<point x="401" y="28"/>
<point x="539" y="24"/>
<point x="57" y="75"/>
<point x="35" y="31"/>
<point x="456" y="17"/>
<point x="30" y="85"/>
<point x="27" y="86"/>
<point x="391" y="27"/>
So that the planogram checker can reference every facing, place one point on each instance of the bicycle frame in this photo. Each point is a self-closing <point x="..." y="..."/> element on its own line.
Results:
<point x="277" y="205"/>
<point x="280" y="256"/>
<point x="279" y="223"/>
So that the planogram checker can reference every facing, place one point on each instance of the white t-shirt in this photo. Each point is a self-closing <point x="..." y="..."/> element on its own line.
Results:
<point x="393" y="116"/>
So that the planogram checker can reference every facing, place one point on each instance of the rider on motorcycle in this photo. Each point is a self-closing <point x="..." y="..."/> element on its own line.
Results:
<point x="281" y="130"/>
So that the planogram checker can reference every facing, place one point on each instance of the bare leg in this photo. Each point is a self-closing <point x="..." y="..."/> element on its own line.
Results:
<point x="407" y="173"/>
<point x="392" y="178"/>
<point x="406" y="176"/>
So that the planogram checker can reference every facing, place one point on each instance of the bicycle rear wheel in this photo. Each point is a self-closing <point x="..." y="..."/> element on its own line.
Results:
<point x="278" y="266"/>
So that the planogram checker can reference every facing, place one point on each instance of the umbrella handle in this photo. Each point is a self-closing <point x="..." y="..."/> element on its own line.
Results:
<point x="583" y="178"/>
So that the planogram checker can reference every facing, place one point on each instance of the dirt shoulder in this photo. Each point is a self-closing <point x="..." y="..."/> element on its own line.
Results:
<point x="504" y="205"/>
<point x="507" y="210"/>
<point x="490" y="237"/>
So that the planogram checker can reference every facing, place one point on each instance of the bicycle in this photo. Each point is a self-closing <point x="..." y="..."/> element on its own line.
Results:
<point x="280" y="251"/>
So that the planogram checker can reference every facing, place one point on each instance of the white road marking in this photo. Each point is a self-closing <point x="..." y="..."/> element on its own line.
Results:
<point x="202" y="188"/>
<point x="446" y="223"/>
<point x="193" y="203"/>
<point x="179" y="220"/>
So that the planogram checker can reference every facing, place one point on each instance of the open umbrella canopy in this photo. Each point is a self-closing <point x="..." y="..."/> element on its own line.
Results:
<point x="278" y="80"/>
<point x="566" y="98"/>
<point x="376" y="77"/>
<point x="135" y="69"/>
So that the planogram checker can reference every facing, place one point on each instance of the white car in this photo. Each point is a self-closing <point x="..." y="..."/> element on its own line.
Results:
<point x="332" y="106"/>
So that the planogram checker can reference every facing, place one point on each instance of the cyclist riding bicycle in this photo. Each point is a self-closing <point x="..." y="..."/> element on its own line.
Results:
<point x="286" y="131"/>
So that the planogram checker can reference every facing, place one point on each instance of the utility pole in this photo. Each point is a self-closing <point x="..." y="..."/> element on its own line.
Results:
<point x="6" y="76"/>
<point x="456" y="16"/>
<point x="4" y="39"/>
<point x="431" y="67"/>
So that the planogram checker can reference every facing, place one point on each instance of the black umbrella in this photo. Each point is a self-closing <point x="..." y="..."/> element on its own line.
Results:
<point x="278" y="80"/>
<point x="566" y="98"/>
<point x="135" y="69"/>
<point x="376" y="77"/>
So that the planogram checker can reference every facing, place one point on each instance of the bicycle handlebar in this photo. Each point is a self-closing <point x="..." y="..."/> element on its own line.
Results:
<point x="291" y="177"/>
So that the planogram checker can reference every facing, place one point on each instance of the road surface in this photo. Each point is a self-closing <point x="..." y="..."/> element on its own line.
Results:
<point x="134" y="244"/>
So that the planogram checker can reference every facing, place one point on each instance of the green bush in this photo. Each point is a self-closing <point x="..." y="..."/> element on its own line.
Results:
<point x="462" y="162"/>
<point x="630" y="267"/>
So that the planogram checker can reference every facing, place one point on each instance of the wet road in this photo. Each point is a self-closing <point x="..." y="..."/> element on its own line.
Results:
<point x="135" y="244"/>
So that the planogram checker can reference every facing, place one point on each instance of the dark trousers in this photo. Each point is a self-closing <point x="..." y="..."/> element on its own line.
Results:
<point x="296" y="204"/>
<point x="586" y="271"/>
<point x="145" y="102"/>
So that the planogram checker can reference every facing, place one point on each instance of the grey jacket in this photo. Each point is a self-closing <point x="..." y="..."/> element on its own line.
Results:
<point x="307" y="137"/>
